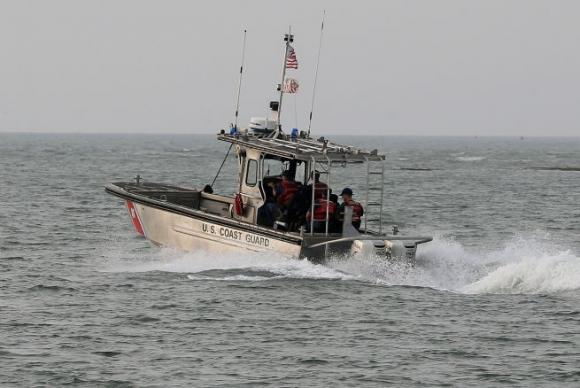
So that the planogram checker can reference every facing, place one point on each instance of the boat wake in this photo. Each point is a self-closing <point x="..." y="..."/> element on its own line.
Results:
<point x="532" y="275"/>
<point x="524" y="265"/>
<point x="224" y="267"/>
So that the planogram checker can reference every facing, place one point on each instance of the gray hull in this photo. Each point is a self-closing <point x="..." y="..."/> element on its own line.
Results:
<point x="186" y="219"/>
<point x="191" y="233"/>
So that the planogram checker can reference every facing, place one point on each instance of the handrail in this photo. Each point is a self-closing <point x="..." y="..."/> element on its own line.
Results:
<point x="327" y="221"/>
<point x="299" y="149"/>
<point x="313" y="183"/>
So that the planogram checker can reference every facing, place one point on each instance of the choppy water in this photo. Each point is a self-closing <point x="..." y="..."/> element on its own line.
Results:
<point x="495" y="299"/>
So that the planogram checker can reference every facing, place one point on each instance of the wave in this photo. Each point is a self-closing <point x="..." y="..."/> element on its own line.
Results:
<point x="546" y="274"/>
<point x="469" y="158"/>
<point x="51" y="288"/>
<point x="526" y="264"/>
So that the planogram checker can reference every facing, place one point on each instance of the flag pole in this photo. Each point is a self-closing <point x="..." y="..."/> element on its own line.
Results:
<point x="288" y="38"/>
<point x="240" y="80"/>
<point x="316" y="71"/>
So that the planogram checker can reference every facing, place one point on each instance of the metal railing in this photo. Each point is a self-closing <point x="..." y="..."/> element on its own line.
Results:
<point x="374" y="188"/>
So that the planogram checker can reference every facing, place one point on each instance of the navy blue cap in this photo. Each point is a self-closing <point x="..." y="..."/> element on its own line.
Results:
<point x="347" y="191"/>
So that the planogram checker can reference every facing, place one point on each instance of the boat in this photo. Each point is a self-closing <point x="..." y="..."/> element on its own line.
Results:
<point x="193" y="219"/>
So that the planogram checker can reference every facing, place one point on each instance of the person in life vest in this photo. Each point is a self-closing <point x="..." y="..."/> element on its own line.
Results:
<point x="357" y="209"/>
<point x="320" y="188"/>
<point x="322" y="208"/>
<point x="285" y="190"/>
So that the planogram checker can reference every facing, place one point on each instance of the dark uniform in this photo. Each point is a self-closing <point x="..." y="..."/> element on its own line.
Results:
<point x="268" y="212"/>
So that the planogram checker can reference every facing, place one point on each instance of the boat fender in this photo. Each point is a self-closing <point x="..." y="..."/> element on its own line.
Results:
<point x="239" y="204"/>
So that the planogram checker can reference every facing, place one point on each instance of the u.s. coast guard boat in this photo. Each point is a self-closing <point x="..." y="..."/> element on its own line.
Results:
<point x="191" y="219"/>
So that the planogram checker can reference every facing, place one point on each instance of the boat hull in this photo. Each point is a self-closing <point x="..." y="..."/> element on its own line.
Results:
<point x="183" y="218"/>
<point x="189" y="233"/>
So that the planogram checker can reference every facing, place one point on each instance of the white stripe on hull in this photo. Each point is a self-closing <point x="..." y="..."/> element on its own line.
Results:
<point x="190" y="234"/>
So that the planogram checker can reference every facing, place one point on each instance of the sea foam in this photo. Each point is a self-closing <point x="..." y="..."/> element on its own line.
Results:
<point x="521" y="265"/>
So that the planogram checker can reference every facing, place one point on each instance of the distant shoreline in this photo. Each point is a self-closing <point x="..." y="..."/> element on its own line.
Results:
<point x="128" y="133"/>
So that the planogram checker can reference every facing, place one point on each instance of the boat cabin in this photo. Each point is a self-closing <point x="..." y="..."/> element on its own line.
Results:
<point x="263" y="158"/>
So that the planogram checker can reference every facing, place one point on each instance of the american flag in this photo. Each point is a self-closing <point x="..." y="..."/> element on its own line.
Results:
<point x="290" y="85"/>
<point x="291" y="61"/>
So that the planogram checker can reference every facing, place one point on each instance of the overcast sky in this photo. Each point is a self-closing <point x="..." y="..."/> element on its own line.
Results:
<point x="446" y="67"/>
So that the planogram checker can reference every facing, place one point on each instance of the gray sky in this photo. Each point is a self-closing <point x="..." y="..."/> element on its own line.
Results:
<point x="447" y="67"/>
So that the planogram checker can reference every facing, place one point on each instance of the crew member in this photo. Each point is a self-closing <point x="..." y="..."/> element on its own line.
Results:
<point x="320" y="188"/>
<point x="335" y="224"/>
<point x="322" y="208"/>
<point x="268" y="212"/>
<point x="357" y="209"/>
<point x="286" y="189"/>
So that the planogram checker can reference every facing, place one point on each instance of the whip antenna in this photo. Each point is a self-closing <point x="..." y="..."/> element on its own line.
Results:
<point x="316" y="71"/>
<point x="240" y="81"/>
<point x="237" y="108"/>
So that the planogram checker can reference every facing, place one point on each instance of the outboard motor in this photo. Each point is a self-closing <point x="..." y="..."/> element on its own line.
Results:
<point x="401" y="251"/>
<point x="395" y="251"/>
<point x="380" y="248"/>
<point x="404" y="251"/>
<point x="376" y="247"/>
<point x="362" y="247"/>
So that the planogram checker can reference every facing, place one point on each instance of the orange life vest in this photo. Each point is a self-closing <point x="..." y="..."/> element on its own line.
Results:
<point x="320" y="210"/>
<point x="289" y="189"/>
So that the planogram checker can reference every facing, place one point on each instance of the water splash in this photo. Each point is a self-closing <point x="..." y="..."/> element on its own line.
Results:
<point x="242" y="266"/>
<point x="546" y="274"/>
<point x="524" y="264"/>
<point x="442" y="264"/>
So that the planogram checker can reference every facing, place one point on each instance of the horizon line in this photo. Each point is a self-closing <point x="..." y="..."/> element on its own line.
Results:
<point x="50" y="132"/>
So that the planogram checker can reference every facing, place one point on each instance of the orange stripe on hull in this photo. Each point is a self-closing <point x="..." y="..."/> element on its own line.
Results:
<point x="135" y="218"/>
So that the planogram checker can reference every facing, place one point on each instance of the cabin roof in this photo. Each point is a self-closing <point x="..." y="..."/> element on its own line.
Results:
<point x="305" y="149"/>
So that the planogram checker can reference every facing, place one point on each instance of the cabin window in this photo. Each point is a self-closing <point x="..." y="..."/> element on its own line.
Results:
<point x="252" y="173"/>
<point x="272" y="168"/>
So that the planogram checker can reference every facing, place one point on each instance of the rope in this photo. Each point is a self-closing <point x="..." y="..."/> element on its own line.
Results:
<point x="222" y="165"/>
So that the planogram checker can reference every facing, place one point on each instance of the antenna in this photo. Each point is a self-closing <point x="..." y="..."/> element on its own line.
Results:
<point x="316" y="71"/>
<point x="240" y="81"/>
<point x="237" y="109"/>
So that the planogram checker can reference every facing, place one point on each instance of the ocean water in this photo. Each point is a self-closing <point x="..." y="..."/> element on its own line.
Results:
<point x="493" y="301"/>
